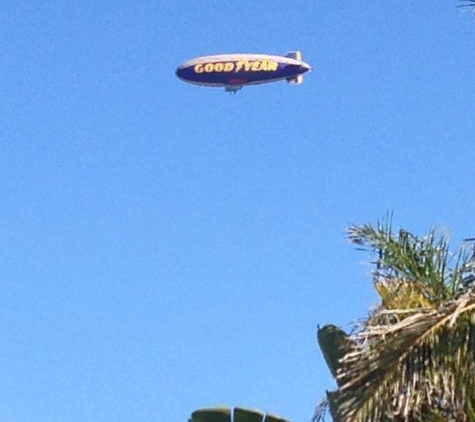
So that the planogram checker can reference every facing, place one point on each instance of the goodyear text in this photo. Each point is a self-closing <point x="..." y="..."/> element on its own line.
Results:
<point x="238" y="66"/>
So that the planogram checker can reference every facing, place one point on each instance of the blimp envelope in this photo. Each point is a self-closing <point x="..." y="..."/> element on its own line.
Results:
<point x="233" y="71"/>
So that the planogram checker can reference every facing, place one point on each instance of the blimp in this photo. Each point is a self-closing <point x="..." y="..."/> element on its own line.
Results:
<point x="234" y="71"/>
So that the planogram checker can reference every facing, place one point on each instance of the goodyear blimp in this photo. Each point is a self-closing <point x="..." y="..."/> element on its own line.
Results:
<point x="233" y="71"/>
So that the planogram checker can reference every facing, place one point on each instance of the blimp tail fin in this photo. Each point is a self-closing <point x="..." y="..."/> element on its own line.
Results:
<point x="297" y="55"/>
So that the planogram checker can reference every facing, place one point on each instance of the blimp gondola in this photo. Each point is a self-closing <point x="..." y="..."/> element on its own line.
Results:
<point x="233" y="71"/>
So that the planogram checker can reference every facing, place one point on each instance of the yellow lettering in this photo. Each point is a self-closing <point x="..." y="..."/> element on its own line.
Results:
<point x="239" y="65"/>
<point x="256" y="66"/>
<point x="228" y="67"/>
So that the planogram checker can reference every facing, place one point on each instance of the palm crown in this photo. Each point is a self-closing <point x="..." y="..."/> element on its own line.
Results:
<point x="413" y="358"/>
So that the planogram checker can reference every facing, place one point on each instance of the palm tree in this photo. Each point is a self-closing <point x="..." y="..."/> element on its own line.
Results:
<point x="238" y="414"/>
<point x="413" y="358"/>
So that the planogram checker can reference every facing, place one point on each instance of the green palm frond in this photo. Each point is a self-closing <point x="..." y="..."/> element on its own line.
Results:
<point x="467" y="3"/>
<point x="404" y="256"/>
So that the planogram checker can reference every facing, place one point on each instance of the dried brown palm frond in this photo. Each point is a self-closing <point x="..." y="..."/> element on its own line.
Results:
<point x="413" y="358"/>
<point x="425" y="362"/>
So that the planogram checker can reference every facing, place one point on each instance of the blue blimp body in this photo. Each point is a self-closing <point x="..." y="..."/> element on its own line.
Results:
<point x="233" y="71"/>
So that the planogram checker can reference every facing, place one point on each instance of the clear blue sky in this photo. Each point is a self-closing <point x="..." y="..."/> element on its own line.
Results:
<point x="166" y="247"/>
